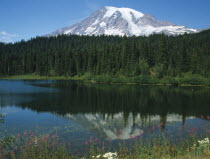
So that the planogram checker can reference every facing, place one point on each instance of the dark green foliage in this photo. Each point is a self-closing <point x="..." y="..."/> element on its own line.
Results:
<point x="155" y="56"/>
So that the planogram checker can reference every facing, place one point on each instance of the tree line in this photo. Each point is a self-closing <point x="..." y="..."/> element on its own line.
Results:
<point x="157" y="55"/>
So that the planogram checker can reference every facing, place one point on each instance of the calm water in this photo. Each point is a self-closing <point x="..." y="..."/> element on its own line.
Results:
<point x="105" y="113"/>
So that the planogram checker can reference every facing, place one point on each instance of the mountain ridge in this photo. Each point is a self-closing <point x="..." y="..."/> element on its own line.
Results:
<point x="122" y="21"/>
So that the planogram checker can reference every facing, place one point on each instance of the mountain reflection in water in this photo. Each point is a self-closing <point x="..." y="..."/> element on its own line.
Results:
<point x="79" y="110"/>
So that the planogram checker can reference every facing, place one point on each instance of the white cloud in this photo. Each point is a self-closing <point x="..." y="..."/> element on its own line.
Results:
<point x="7" y="34"/>
<point x="7" y="37"/>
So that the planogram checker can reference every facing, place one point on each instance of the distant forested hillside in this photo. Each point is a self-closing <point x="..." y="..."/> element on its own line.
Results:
<point x="155" y="56"/>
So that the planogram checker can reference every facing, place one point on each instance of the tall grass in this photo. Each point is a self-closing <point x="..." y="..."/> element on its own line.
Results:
<point x="33" y="146"/>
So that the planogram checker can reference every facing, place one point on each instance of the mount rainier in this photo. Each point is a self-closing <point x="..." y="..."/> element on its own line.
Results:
<point x="122" y="21"/>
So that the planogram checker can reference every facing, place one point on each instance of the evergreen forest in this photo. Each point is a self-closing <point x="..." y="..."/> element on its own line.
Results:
<point x="141" y="58"/>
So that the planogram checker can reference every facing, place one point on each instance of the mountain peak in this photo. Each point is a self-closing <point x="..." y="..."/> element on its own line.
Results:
<point x="122" y="21"/>
<point x="126" y="13"/>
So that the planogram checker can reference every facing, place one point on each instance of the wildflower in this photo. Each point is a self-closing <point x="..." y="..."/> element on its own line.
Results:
<point x="25" y="133"/>
<point x="161" y="124"/>
<point x="91" y="139"/>
<point x="86" y="143"/>
<point x="53" y="143"/>
<point x="103" y="146"/>
<point x="47" y="137"/>
<point x="208" y="117"/>
<point x="69" y="145"/>
<point x="191" y="134"/>
<point x="133" y="137"/>
<point x="19" y="136"/>
<point x="195" y="129"/>
<point x="140" y="131"/>
<point x="110" y="155"/>
<point x="203" y="142"/>
<point x="96" y="156"/>
<point x="35" y="142"/>
<point x="153" y="128"/>
<point x="55" y="136"/>
<point x="207" y="139"/>
<point x="32" y="135"/>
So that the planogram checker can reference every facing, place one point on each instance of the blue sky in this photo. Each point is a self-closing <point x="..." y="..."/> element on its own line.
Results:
<point x="23" y="19"/>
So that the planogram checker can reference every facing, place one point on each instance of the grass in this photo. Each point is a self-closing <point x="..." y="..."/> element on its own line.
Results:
<point x="33" y="77"/>
<point x="31" y="145"/>
<point x="186" y="79"/>
<point x="37" y="77"/>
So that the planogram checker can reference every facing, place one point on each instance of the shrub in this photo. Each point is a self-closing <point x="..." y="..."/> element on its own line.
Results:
<point x="193" y="79"/>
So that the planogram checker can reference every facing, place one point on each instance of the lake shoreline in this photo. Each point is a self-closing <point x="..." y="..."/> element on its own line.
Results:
<point x="50" y="119"/>
<point x="84" y="79"/>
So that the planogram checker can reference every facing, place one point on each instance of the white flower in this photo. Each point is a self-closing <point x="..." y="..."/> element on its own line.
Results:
<point x="204" y="142"/>
<point x="35" y="142"/>
<point x="96" y="156"/>
<point x="110" y="155"/>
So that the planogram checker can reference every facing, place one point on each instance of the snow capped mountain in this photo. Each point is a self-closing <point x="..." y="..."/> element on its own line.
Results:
<point x="122" y="21"/>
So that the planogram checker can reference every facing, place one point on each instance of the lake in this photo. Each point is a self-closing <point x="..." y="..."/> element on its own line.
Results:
<point x="81" y="113"/>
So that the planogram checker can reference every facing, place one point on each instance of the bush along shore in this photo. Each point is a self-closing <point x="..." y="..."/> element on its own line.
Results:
<point x="31" y="145"/>
<point x="185" y="79"/>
